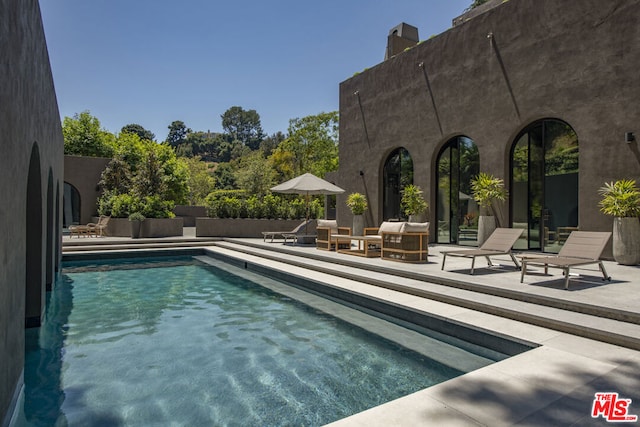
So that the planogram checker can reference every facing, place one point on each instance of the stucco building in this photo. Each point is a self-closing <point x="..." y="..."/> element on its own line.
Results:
<point x="31" y="181"/>
<point x="541" y="93"/>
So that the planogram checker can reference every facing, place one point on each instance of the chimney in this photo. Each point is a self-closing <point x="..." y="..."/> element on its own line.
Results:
<point x="401" y="37"/>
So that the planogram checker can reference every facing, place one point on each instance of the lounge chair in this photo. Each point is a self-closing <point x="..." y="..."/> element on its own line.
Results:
<point x="99" y="228"/>
<point x="301" y="229"/>
<point x="580" y="248"/>
<point x="79" y="230"/>
<point x="499" y="243"/>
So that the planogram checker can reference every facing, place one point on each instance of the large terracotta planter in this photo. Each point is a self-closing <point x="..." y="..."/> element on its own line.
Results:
<point x="626" y="241"/>
<point x="486" y="226"/>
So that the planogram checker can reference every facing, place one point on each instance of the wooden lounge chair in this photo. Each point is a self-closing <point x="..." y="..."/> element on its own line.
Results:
<point x="580" y="248"/>
<point x="301" y="228"/>
<point x="499" y="243"/>
<point x="99" y="228"/>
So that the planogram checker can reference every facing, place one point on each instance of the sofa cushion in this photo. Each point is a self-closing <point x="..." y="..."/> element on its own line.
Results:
<point x="391" y="227"/>
<point x="329" y="223"/>
<point x="416" y="227"/>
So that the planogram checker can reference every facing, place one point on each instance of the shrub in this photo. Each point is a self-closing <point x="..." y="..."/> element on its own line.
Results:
<point x="412" y="201"/>
<point x="620" y="199"/>
<point x="357" y="203"/>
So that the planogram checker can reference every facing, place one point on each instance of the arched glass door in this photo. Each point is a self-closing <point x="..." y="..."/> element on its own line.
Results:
<point x="458" y="163"/>
<point x="544" y="185"/>
<point x="397" y="173"/>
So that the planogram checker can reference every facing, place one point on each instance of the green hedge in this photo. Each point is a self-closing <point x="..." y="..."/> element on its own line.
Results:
<point x="236" y="204"/>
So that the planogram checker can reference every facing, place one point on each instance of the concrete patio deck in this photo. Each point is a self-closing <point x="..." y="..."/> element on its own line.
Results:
<point x="553" y="384"/>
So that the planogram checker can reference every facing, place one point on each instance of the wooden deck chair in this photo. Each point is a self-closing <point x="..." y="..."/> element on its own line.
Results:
<point x="581" y="248"/>
<point x="99" y="228"/>
<point x="500" y="242"/>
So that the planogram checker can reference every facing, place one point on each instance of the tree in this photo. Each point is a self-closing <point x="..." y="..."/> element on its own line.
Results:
<point x="138" y="130"/>
<point x="178" y="133"/>
<point x="271" y="142"/>
<point x="255" y="174"/>
<point x="201" y="183"/>
<point x="243" y="126"/>
<point x="312" y="146"/>
<point x="83" y="136"/>
<point x="224" y="176"/>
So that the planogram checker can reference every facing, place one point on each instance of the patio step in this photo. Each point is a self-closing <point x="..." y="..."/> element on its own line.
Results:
<point x="589" y="321"/>
<point x="85" y="245"/>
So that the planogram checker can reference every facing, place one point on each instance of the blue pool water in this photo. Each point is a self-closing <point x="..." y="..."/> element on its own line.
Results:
<point x="181" y="342"/>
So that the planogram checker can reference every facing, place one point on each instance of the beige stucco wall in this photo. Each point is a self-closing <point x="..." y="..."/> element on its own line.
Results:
<point x="30" y="212"/>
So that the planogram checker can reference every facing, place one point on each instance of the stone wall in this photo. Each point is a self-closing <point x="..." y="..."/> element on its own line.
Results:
<point x="245" y="227"/>
<point x="31" y="186"/>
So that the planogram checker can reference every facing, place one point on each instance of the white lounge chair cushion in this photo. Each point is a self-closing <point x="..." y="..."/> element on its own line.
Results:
<point x="416" y="227"/>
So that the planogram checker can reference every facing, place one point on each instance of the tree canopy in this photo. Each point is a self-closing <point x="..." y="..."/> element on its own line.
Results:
<point x="83" y="136"/>
<point x="244" y="126"/>
<point x="138" y="130"/>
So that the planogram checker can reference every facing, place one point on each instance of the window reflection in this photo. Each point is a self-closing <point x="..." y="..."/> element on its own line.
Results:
<point x="397" y="174"/>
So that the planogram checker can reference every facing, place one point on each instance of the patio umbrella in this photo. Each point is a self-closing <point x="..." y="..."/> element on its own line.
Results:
<point x="307" y="184"/>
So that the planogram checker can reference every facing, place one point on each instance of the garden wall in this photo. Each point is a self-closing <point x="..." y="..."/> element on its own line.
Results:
<point x="245" y="227"/>
<point x="151" y="227"/>
<point x="190" y="213"/>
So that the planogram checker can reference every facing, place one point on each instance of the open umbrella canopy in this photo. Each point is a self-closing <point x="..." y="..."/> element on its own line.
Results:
<point x="307" y="184"/>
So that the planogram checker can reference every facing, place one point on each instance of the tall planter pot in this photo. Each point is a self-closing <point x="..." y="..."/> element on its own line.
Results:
<point x="135" y="229"/>
<point x="626" y="241"/>
<point x="358" y="225"/>
<point x="486" y="226"/>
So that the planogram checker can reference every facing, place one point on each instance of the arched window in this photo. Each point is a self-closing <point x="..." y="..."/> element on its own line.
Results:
<point x="397" y="173"/>
<point x="71" y="210"/>
<point x="544" y="184"/>
<point x="458" y="163"/>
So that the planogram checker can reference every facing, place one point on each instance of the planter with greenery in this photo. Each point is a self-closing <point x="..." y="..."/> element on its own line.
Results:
<point x="135" y="220"/>
<point x="413" y="203"/>
<point x="357" y="202"/>
<point x="621" y="199"/>
<point x="487" y="189"/>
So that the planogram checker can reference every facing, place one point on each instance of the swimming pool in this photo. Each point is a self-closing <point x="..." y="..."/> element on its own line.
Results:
<point x="189" y="342"/>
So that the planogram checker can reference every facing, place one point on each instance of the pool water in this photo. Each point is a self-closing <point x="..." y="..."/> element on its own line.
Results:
<point x="180" y="342"/>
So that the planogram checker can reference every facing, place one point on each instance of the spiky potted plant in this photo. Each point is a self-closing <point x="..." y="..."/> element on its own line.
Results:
<point x="621" y="199"/>
<point x="413" y="203"/>
<point x="487" y="189"/>
<point x="357" y="202"/>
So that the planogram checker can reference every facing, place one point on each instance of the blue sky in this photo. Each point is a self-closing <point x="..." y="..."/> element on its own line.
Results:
<point x="155" y="61"/>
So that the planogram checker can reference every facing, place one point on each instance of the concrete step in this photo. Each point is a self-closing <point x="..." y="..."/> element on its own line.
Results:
<point x="117" y="244"/>
<point x="566" y="316"/>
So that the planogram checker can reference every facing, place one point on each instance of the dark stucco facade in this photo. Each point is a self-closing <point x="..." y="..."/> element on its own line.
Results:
<point x="31" y="180"/>
<point x="487" y="79"/>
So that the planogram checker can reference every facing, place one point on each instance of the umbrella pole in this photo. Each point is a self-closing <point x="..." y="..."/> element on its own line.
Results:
<point x="306" y="222"/>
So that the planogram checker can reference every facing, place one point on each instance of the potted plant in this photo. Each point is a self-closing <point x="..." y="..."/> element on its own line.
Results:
<point x="621" y="199"/>
<point x="487" y="189"/>
<point x="135" y="219"/>
<point x="358" y="204"/>
<point x="413" y="203"/>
